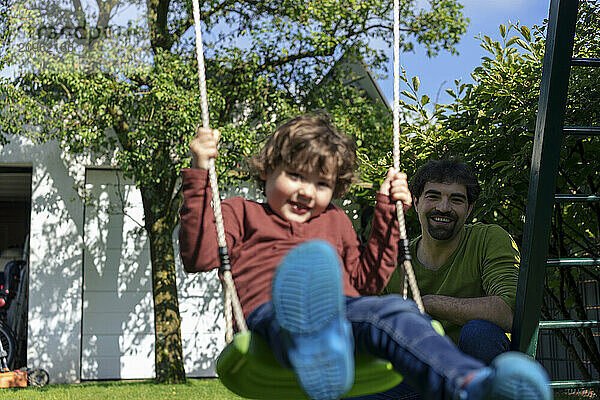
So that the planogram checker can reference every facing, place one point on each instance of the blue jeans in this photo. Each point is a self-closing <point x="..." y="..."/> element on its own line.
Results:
<point x="390" y="328"/>
<point x="481" y="339"/>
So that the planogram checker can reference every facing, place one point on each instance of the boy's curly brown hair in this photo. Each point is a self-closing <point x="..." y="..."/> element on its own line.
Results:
<point x="309" y="143"/>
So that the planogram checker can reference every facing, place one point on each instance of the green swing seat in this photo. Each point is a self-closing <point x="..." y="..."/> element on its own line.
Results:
<point x="248" y="368"/>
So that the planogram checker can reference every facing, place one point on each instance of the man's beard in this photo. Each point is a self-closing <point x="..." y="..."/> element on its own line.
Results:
<point x="438" y="232"/>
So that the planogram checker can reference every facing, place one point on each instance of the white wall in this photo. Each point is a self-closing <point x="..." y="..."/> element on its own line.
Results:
<point x="56" y="268"/>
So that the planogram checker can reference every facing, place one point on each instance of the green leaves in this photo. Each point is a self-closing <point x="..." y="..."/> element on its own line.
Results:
<point x="409" y="95"/>
<point x="526" y="33"/>
<point x="416" y="83"/>
<point x="512" y="41"/>
<point x="503" y="30"/>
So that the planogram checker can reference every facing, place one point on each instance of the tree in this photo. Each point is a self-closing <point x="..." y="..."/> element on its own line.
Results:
<point x="263" y="63"/>
<point x="4" y="31"/>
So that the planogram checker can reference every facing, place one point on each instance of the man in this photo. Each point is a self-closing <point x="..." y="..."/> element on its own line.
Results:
<point x="467" y="273"/>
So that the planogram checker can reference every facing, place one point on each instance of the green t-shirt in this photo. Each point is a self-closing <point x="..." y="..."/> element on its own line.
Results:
<point x="485" y="263"/>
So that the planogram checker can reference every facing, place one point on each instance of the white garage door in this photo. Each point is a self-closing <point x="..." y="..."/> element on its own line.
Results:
<point x="118" y="321"/>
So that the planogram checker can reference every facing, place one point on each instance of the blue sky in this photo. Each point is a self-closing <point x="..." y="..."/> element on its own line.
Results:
<point x="485" y="17"/>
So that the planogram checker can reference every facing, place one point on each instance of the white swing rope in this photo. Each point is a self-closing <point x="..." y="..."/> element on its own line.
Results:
<point x="230" y="295"/>
<point x="409" y="274"/>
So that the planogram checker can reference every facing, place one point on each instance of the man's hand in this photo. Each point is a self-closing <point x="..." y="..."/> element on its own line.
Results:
<point x="395" y="185"/>
<point x="204" y="147"/>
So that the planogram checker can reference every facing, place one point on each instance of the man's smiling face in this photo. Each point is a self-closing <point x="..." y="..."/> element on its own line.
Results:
<point x="443" y="209"/>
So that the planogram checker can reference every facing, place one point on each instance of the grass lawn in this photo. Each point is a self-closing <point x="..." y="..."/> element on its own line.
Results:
<point x="197" y="389"/>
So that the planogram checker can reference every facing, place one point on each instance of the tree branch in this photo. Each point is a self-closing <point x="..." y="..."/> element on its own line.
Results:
<point x="158" y="11"/>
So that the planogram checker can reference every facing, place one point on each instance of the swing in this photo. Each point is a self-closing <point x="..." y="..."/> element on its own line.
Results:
<point x="246" y="366"/>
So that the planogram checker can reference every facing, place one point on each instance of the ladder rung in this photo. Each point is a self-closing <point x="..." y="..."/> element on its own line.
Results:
<point x="568" y="324"/>
<point x="579" y="198"/>
<point x="573" y="384"/>
<point x="573" y="262"/>
<point x="585" y="62"/>
<point x="581" y="130"/>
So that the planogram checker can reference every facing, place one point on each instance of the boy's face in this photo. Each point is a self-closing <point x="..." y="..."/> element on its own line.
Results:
<point x="298" y="196"/>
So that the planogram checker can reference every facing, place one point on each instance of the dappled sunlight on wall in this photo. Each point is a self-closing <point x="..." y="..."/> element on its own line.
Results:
<point x="202" y="322"/>
<point x="118" y="319"/>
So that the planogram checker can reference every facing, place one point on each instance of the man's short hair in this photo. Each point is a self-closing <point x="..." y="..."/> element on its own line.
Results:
<point x="309" y="143"/>
<point x="446" y="171"/>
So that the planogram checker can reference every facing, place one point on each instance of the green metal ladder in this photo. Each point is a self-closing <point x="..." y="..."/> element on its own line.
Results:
<point x="549" y="132"/>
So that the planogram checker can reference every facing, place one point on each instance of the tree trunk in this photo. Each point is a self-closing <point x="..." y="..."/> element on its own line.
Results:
<point x="167" y="321"/>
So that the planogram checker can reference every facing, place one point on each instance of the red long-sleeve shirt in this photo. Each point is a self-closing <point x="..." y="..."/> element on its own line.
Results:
<point x="258" y="239"/>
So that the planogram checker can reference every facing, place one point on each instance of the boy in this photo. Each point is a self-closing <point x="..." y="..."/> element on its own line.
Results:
<point x="304" y="280"/>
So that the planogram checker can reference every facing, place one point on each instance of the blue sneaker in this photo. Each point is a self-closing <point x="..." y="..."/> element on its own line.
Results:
<point x="511" y="376"/>
<point x="309" y="306"/>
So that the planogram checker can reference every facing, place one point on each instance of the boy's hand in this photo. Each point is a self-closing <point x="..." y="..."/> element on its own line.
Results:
<point x="395" y="185"/>
<point x="204" y="147"/>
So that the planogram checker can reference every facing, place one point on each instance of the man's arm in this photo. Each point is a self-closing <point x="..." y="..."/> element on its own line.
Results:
<point x="461" y="310"/>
